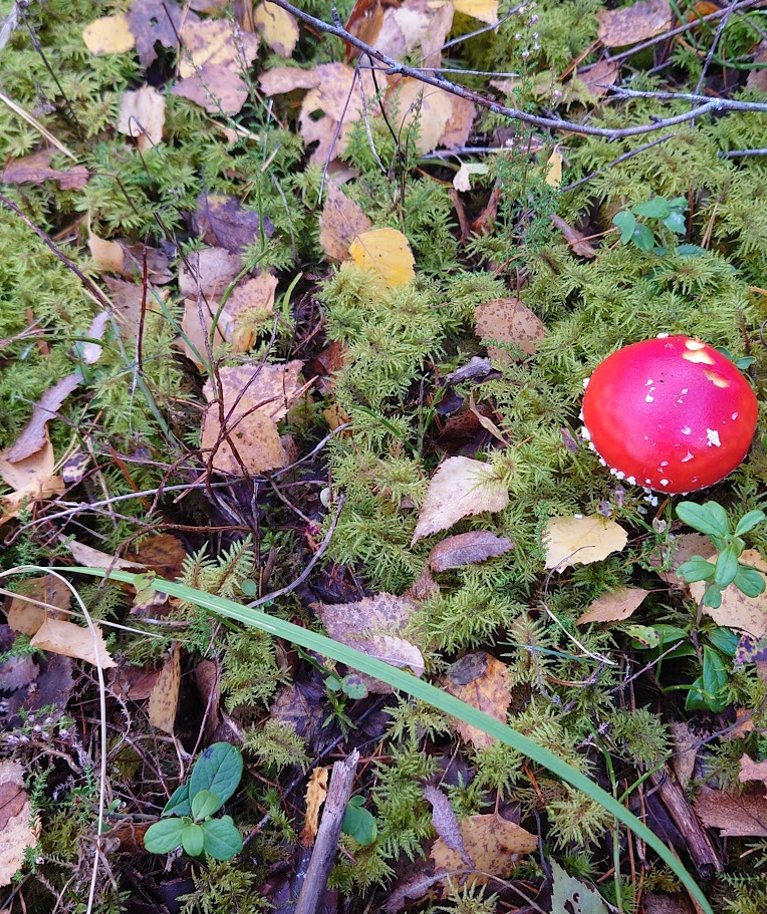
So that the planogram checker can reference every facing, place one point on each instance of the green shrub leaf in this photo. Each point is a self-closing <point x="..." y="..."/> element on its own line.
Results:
<point x="218" y="770"/>
<point x="192" y="839"/>
<point x="221" y="839"/>
<point x="358" y="823"/>
<point x="164" y="836"/>
<point x="204" y="804"/>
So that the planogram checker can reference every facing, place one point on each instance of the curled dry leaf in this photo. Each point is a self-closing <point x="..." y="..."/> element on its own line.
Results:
<point x="374" y="625"/>
<point x="686" y="745"/>
<point x="222" y="221"/>
<point x="581" y="540"/>
<point x="316" y="791"/>
<point x="600" y="76"/>
<point x="745" y="614"/>
<point x="508" y="320"/>
<point x="445" y="822"/>
<point x="163" y="699"/>
<point x="482" y="681"/>
<point x="460" y="487"/>
<point x="71" y="640"/>
<point x="632" y="24"/>
<point x="468" y="549"/>
<point x="341" y="221"/>
<point x="19" y="830"/>
<point x="440" y="118"/>
<point x="492" y="842"/>
<point x="575" y="239"/>
<point x="142" y="115"/>
<point x="32" y="480"/>
<point x="742" y="815"/>
<point x="614" y="606"/>
<point x="36" y="168"/>
<point x="386" y="253"/>
<point x="35" y="433"/>
<point x="277" y="27"/>
<point x="94" y="558"/>
<point x="109" y="35"/>
<point x="751" y="770"/>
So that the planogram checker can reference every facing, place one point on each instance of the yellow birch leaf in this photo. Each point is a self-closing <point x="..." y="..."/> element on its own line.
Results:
<point x="386" y="253"/>
<point x="484" y="10"/>
<point x="581" y="540"/>
<point x="109" y="35"/>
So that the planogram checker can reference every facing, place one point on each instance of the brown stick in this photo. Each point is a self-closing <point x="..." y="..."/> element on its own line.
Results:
<point x="339" y="791"/>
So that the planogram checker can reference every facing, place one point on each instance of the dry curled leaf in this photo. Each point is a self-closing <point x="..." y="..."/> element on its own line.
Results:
<point x="581" y="540"/>
<point x="163" y="699"/>
<point x="741" y="815"/>
<point x="32" y="480"/>
<point x="468" y="549"/>
<point x="613" y="606"/>
<point x="492" y="842"/>
<point x="374" y="625"/>
<point x="18" y="831"/>
<point x="341" y="221"/>
<point x="445" y="821"/>
<point x="72" y="640"/>
<point x="632" y="24"/>
<point x="142" y="115"/>
<point x="36" y="168"/>
<point x="460" y="487"/>
<point x="316" y="791"/>
<point x="385" y="253"/>
<point x="751" y="770"/>
<point x="737" y="611"/>
<point x="94" y="558"/>
<point x="482" y="681"/>
<point x="509" y="321"/>
<point x="34" y="436"/>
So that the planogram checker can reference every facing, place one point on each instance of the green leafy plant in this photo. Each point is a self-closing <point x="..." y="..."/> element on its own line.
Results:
<point x="669" y="213"/>
<point x="711" y="518"/>
<point x="189" y="823"/>
<point x="358" y="823"/>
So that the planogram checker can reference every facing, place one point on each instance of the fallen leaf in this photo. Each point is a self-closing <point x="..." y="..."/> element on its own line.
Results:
<point x="417" y="106"/>
<point x="154" y="22"/>
<point x="216" y="88"/>
<point x="130" y="299"/>
<point x="492" y="842"/>
<point x="570" y="894"/>
<point x="386" y="253"/>
<point x="613" y="606"/>
<point x="746" y="614"/>
<point x="163" y="699"/>
<point x="667" y="904"/>
<point x="409" y="27"/>
<point x="460" y="487"/>
<point x="462" y="179"/>
<point x="108" y="256"/>
<point x="109" y="35"/>
<point x="31" y="479"/>
<point x="599" y="77"/>
<point x="374" y="625"/>
<point x="757" y="78"/>
<point x="341" y="221"/>
<point x="222" y="221"/>
<point x="445" y="821"/>
<point x="18" y="832"/>
<point x="94" y="558"/>
<point x="250" y="304"/>
<point x="48" y="594"/>
<point x="468" y="549"/>
<point x="277" y="27"/>
<point x="751" y="770"/>
<point x="35" y="433"/>
<point x="71" y="640"/>
<point x="685" y="750"/>
<point x="482" y="681"/>
<point x="741" y="815"/>
<point x="196" y="326"/>
<point x="208" y="272"/>
<point x="581" y="540"/>
<point x="36" y="168"/>
<point x="142" y="115"/>
<point x="424" y="587"/>
<point x="364" y="22"/>
<point x="509" y="321"/>
<point x="576" y="240"/>
<point x="316" y="791"/>
<point x="680" y="549"/>
<point x="554" y="169"/>
<point x="631" y="24"/>
<point x="484" y="10"/>
<point x="164" y="554"/>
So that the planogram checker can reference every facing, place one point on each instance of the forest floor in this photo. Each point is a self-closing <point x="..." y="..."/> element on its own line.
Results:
<point x="297" y="307"/>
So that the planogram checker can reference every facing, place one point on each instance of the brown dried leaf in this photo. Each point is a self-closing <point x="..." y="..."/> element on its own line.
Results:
<point x="482" y="681"/>
<point x="222" y="222"/>
<point x="632" y="24"/>
<point x="247" y="308"/>
<point x="575" y="239"/>
<point x="508" y="320"/>
<point x="215" y="87"/>
<point x="600" y="76"/>
<point x="385" y="253"/>
<point x="142" y="115"/>
<point x="26" y="617"/>
<point x="163" y="554"/>
<point x="417" y="106"/>
<point x="152" y="22"/>
<point x="581" y="540"/>
<point x="735" y="815"/>
<point x="460" y="487"/>
<point x="32" y="480"/>
<point x="94" y="558"/>
<point x="316" y="791"/>
<point x="196" y="326"/>
<point x="34" y="437"/>
<point x="341" y="221"/>
<point x="208" y="272"/>
<point x="163" y="699"/>
<point x="667" y="904"/>
<point x="445" y="821"/>
<point x="36" y="168"/>
<point x="109" y="35"/>
<point x="374" y="625"/>
<point x="277" y="27"/>
<point x="279" y="80"/>
<point x="683" y="548"/>
<point x="468" y="549"/>
<point x="685" y="750"/>
<point x="18" y="833"/>
<point x="71" y="640"/>
<point x="751" y="770"/>
<point x="492" y="842"/>
<point x="214" y="41"/>
<point x="757" y="78"/>
<point x="108" y="256"/>
<point x="746" y="614"/>
<point x="614" y="606"/>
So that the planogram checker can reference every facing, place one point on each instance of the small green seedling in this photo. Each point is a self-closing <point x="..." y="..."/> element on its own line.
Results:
<point x="669" y="213"/>
<point x="711" y="518"/>
<point x="358" y="823"/>
<point x="214" y="778"/>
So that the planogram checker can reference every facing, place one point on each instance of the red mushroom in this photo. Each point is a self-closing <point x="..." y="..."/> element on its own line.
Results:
<point x="670" y="414"/>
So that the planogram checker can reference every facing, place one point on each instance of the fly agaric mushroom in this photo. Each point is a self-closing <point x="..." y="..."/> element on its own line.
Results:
<point x="670" y="414"/>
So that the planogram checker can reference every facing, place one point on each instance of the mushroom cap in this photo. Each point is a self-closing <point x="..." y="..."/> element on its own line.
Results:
<point x="670" y="414"/>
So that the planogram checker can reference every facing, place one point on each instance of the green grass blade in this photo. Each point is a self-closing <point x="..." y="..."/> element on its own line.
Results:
<point x="424" y="691"/>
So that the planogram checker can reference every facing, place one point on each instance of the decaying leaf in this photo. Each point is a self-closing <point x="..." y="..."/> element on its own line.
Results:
<point x="484" y="10"/>
<point x="163" y="699"/>
<point x="403" y="29"/>
<point x="570" y="894"/>
<point x="374" y="625"/>
<point x="460" y="487"/>
<point x="741" y="815"/>
<point x="36" y="168"/>
<point x="277" y="27"/>
<point x="94" y="558"/>
<point x="34" y="436"/>
<point x="208" y="272"/>
<point x="154" y="22"/>
<point x="492" y="842"/>
<point x="71" y="640"/>
<point x="631" y="24"/>
<point x="600" y="76"/>
<point x="46" y="595"/>
<point x="341" y="221"/>
<point x="468" y="549"/>
<point x="751" y="770"/>
<point x="441" y="118"/>
<point x="108" y="256"/>
<point x="109" y="35"/>
<point x="745" y="614"/>
<point x="508" y="320"/>
<point x="223" y="222"/>
<point x="18" y="832"/>
<point x="581" y="540"/>
<point x="249" y="306"/>
<point x="686" y="745"/>
<point x="142" y="115"/>
<point x="482" y="681"/>
<point x="32" y="480"/>
<point x="198" y="340"/>
<point x="445" y="822"/>
<point x="386" y="253"/>
<point x="316" y="791"/>
<point x="462" y="179"/>
<point x="614" y="606"/>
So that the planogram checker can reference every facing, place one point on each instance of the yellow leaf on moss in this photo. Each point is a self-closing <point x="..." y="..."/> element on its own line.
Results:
<point x="386" y="253"/>
<point x="484" y="10"/>
<point x="109" y="35"/>
<point x="581" y="540"/>
<point x="277" y="26"/>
